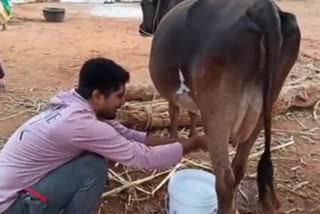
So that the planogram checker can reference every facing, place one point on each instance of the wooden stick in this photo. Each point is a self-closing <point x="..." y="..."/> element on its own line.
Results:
<point x="197" y="164"/>
<point x="244" y="195"/>
<point x="300" y="123"/>
<point x="295" y="132"/>
<point x="272" y="149"/>
<point x="315" y="109"/>
<point x="134" y="183"/>
<point x="299" y="194"/>
<point x="123" y="181"/>
<point x="300" y="185"/>
<point x="252" y="176"/>
<point x="308" y="138"/>
<point x="315" y="209"/>
<point x="13" y="115"/>
<point x="167" y="178"/>
<point x="314" y="129"/>
<point x="293" y="210"/>
<point x="300" y="80"/>
<point x="134" y="192"/>
<point x="112" y="177"/>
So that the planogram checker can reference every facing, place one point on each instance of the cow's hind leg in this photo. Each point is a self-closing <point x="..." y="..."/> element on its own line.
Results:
<point x="218" y="133"/>
<point x="217" y="118"/>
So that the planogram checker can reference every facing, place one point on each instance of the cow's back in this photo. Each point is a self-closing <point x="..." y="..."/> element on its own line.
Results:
<point x="191" y="26"/>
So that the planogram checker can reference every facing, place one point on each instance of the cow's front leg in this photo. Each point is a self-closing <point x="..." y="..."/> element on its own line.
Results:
<point x="240" y="161"/>
<point x="174" y="115"/>
<point x="193" y="123"/>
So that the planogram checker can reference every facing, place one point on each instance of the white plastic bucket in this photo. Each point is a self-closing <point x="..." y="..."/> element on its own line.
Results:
<point x="192" y="191"/>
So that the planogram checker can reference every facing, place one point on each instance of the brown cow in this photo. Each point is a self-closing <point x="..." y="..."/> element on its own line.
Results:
<point x="229" y="60"/>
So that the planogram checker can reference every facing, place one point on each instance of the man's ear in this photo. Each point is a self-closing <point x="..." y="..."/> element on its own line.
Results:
<point x="95" y="94"/>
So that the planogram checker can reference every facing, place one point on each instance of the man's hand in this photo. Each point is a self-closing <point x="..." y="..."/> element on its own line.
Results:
<point x="191" y="144"/>
<point x="194" y="143"/>
<point x="157" y="140"/>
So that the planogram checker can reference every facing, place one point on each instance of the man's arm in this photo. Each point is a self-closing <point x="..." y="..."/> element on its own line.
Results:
<point x="152" y="140"/>
<point x="193" y="143"/>
<point x="99" y="137"/>
<point x="102" y="139"/>
<point x="130" y="134"/>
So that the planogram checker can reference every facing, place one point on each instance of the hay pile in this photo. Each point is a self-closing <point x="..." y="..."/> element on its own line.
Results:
<point x="153" y="114"/>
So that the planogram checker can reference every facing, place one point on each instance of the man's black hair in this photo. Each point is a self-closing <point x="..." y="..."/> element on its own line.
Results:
<point x="102" y="74"/>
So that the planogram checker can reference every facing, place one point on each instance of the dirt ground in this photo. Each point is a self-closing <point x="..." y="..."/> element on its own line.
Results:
<point x="43" y="57"/>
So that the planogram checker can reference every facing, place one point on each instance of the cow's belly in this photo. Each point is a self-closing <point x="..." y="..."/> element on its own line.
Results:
<point x="249" y="111"/>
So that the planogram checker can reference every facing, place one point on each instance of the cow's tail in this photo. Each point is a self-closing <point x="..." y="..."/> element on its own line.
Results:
<point x="273" y="41"/>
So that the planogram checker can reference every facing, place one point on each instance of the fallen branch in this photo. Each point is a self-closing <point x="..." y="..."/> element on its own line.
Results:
<point x="295" y="82"/>
<point x="134" y="183"/>
<point x="123" y="181"/>
<point x="298" y="186"/>
<point x="243" y="194"/>
<point x="272" y="149"/>
<point x="293" y="210"/>
<point x="315" y="209"/>
<point x="167" y="178"/>
<point x="315" y="109"/>
<point x="295" y="132"/>
<point x="12" y="116"/>
<point x="198" y="164"/>
<point x="299" y="194"/>
<point x="300" y="123"/>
